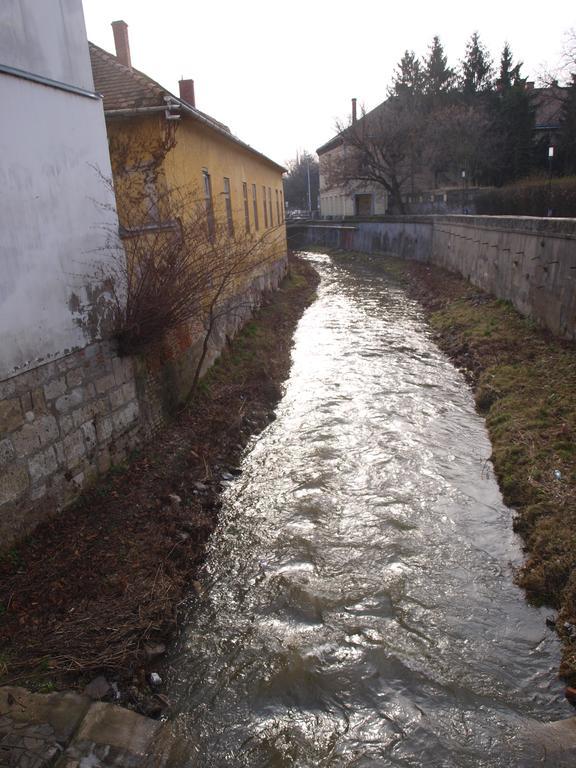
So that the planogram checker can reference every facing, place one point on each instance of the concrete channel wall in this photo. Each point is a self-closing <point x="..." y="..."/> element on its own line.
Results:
<point x="528" y="261"/>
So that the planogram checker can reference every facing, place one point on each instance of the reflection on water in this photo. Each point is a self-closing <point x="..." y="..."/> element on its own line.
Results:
<point x="360" y="608"/>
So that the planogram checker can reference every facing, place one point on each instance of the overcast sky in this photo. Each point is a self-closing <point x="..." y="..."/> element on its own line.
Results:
<point x="281" y="73"/>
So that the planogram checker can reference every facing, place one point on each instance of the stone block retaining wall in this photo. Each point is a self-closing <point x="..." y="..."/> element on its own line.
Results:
<point x="528" y="261"/>
<point x="61" y="425"/>
<point x="65" y="422"/>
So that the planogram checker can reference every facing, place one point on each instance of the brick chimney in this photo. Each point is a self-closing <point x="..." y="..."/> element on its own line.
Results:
<point x="353" y="110"/>
<point x="122" y="43"/>
<point x="530" y="85"/>
<point x="187" y="92"/>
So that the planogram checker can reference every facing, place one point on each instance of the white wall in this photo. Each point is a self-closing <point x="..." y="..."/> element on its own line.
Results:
<point x="53" y="228"/>
<point x="46" y="37"/>
<point x="339" y="200"/>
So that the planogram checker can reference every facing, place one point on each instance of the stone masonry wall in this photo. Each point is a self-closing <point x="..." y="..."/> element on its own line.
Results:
<point x="68" y="421"/>
<point x="526" y="260"/>
<point x="61" y="425"/>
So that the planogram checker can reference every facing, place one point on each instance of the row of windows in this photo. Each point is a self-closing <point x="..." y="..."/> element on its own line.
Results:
<point x="266" y="205"/>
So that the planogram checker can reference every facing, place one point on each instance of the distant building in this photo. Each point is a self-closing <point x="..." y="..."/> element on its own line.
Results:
<point x="424" y="191"/>
<point x="352" y="198"/>
<point x="548" y="104"/>
<point x="358" y="198"/>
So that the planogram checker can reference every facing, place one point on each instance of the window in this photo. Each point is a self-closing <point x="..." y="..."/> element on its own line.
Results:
<point x="282" y="205"/>
<point x="151" y="195"/>
<point x="228" y="201"/>
<point x="270" y="206"/>
<point x="255" y="206"/>
<point x="208" y="203"/>
<point x="246" y="208"/>
<point x="277" y="207"/>
<point x="264" y="205"/>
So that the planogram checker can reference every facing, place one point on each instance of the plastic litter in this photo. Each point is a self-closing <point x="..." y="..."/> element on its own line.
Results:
<point x="155" y="679"/>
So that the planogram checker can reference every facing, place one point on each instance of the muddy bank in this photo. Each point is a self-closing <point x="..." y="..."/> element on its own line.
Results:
<point x="524" y="381"/>
<point x="97" y="590"/>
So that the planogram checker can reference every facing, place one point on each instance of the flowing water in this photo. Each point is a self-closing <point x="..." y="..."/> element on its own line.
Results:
<point x="360" y="607"/>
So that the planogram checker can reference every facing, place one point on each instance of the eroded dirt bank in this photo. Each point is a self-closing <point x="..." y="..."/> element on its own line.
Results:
<point x="524" y="381"/>
<point x="98" y="589"/>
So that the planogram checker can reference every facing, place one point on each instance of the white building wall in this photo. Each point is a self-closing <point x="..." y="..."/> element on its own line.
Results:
<point x="340" y="200"/>
<point x="56" y="214"/>
<point x="46" y="37"/>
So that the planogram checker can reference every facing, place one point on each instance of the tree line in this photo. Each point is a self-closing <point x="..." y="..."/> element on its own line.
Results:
<point x="302" y="182"/>
<point x="443" y="126"/>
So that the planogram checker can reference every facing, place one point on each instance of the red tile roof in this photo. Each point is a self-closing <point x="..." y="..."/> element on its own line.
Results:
<point x="125" y="88"/>
<point x="122" y="87"/>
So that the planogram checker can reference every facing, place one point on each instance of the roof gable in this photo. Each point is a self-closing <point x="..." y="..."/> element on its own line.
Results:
<point x="125" y="88"/>
<point x="120" y="86"/>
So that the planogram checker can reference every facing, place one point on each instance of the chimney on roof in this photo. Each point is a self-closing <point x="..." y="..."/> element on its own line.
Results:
<point x="530" y="85"/>
<point x="187" y="92"/>
<point x="122" y="43"/>
<point x="353" y="110"/>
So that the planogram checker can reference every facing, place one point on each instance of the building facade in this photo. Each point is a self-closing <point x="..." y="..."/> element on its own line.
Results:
<point x="71" y="402"/>
<point x="67" y="403"/>
<point x="164" y="152"/>
<point x="55" y="211"/>
<point x="188" y="149"/>
<point x="351" y="199"/>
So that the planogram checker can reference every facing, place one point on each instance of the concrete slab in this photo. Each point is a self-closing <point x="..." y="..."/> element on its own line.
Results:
<point x="117" y="727"/>
<point x="555" y="740"/>
<point x="68" y="730"/>
<point x="62" y="711"/>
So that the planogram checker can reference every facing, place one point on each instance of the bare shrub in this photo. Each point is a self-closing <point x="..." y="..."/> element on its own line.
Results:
<point x="175" y="262"/>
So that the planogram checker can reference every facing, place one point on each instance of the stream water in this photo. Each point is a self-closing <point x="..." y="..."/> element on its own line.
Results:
<point x="360" y="608"/>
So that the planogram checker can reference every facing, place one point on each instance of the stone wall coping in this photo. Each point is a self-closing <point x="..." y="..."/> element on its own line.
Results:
<point x="552" y="227"/>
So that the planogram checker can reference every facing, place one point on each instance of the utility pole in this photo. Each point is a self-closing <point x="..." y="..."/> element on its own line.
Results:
<point x="309" y="188"/>
<point x="550" y="158"/>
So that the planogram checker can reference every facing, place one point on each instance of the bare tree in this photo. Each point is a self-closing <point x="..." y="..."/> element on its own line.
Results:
<point x="180" y="265"/>
<point x="383" y="147"/>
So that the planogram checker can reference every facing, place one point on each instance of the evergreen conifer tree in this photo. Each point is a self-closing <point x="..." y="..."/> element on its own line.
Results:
<point x="408" y="78"/>
<point x="509" y="73"/>
<point x="477" y="68"/>
<point x="438" y="77"/>
<point x="513" y="117"/>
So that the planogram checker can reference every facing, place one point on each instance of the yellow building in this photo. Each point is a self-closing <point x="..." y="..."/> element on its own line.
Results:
<point x="177" y="162"/>
<point x="198" y="152"/>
